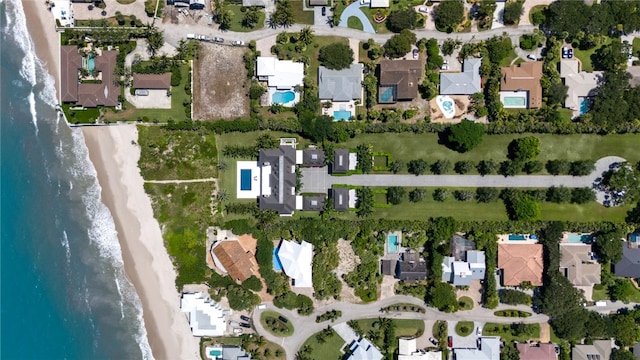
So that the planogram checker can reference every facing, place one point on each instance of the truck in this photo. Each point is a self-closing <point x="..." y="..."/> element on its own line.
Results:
<point x="601" y="303"/>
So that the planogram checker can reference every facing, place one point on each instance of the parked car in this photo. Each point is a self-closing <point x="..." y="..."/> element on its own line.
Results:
<point x="245" y="325"/>
<point x="324" y="11"/>
<point x="237" y="43"/>
<point x="245" y="318"/>
<point x="218" y="39"/>
<point x="283" y="319"/>
<point x="202" y="37"/>
<point x="423" y="9"/>
<point x="434" y="341"/>
<point x="415" y="53"/>
<point x="565" y="52"/>
<point x="450" y="341"/>
<point x="532" y="57"/>
<point x="478" y="331"/>
<point x="570" y="54"/>
<point x="234" y="323"/>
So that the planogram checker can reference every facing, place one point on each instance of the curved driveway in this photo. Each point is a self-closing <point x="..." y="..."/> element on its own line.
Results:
<point x="354" y="10"/>
<point x="305" y="326"/>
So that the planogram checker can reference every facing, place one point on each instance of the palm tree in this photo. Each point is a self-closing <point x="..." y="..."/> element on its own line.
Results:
<point x="224" y="18"/>
<point x="260" y="340"/>
<point x="222" y="166"/>
<point x="355" y="326"/>
<point x="306" y="35"/>
<point x="222" y="195"/>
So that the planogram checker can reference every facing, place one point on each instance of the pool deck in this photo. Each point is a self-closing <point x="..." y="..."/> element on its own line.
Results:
<point x="504" y="239"/>
<point x="393" y="255"/>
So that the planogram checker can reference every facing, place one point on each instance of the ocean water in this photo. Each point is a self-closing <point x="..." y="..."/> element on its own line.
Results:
<point x="64" y="293"/>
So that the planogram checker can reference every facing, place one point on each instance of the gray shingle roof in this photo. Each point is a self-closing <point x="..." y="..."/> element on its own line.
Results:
<point x="312" y="203"/>
<point x="313" y="157"/>
<point x="340" y="198"/>
<point x="340" y="85"/>
<point x="466" y="82"/>
<point x="340" y="161"/>
<point x="282" y="179"/>
<point x="629" y="266"/>
<point x="412" y="268"/>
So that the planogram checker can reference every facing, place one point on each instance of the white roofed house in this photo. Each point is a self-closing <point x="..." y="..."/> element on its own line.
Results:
<point x="282" y="78"/>
<point x="259" y="3"/>
<point x="407" y="350"/>
<point x="62" y="11"/>
<point x="205" y="316"/>
<point x="296" y="259"/>
<point x="379" y="4"/>
<point x="363" y="349"/>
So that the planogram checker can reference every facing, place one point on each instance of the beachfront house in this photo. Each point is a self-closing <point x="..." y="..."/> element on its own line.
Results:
<point x="520" y="86"/>
<point x="88" y="80"/>
<point x="342" y="89"/>
<point x="399" y="80"/>
<point x="296" y="259"/>
<point x="520" y="263"/>
<point x="144" y="84"/>
<point x="466" y="82"/>
<point x="62" y="11"/>
<point x="232" y="259"/>
<point x="205" y="316"/>
<point x="282" y="78"/>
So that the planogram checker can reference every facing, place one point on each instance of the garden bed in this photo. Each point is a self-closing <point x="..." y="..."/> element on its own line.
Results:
<point x="270" y="320"/>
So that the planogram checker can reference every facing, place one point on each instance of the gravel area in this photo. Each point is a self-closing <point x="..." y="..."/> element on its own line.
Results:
<point x="220" y="83"/>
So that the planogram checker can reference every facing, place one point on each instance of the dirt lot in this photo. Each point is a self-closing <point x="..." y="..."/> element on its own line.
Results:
<point x="220" y="83"/>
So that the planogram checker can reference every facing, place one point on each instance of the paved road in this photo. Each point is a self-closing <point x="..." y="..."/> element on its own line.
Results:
<point x="612" y="306"/>
<point x="354" y="10"/>
<point x="173" y="33"/>
<point x="304" y="327"/>
<point x="317" y="180"/>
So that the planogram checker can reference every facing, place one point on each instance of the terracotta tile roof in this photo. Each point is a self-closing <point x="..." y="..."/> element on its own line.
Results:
<point x="525" y="77"/>
<point x="152" y="81"/>
<point x="519" y="263"/>
<point x="537" y="352"/>
<point x="240" y="264"/>
<point x="88" y="95"/>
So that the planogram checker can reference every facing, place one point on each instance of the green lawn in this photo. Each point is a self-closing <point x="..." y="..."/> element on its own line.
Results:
<point x="512" y="54"/>
<point x="536" y="9"/>
<point x="354" y="23"/>
<point x="171" y="155"/>
<point x="495" y="211"/>
<point x="631" y="293"/>
<point x="585" y="55"/>
<point x="466" y="303"/>
<point x="636" y="45"/>
<point x="275" y="315"/>
<point x="329" y="349"/>
<point x="301" y="16"/>
<point x="407" y="146"/>
<point x="236" y="21"/>
<point x="403" y="327"/>
<point x="86" y="116"/>
<point x="507" y="334"/>
<point x="382" y="27"/>
<point x="464" y="328"/>
<point x="177" y="111"/>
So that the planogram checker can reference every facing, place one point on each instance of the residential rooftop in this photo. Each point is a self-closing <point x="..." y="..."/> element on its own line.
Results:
<point x="403" y="76"/>
<point x="340" y="85"/>
<point x="466" y="82"/>
<point x="524" y="77"/>
<point x="520" y="263"/>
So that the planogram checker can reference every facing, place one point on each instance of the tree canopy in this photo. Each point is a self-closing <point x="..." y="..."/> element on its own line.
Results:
<point x="523" y="149"/>
<point x="336" y="56"/>
<point x="399" y="20"/>
<point x="512" y="12"/>
<point x="448" y="14"/>
<point x="400" y="44"/>
<point x="465" y="135"/>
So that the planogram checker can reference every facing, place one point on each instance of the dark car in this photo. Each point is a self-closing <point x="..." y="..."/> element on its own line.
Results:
<point x="245" y="318"/>
<point x="324" y="11"/>
<point x="283" y="319"/>
<point x="450" y="341"/>
<point x="245" y="325"/>
<point x="570" y="54"/>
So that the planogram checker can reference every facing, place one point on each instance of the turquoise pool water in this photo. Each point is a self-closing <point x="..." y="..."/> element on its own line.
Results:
<point x="447" y="106"/>
<point x="578" y="238"/>
<point x="392" y="244"/>
<point x="245" y="179"/>
<point x="387" y="95"/>
<point x="215" y="352"/>
<point x="277" y="265"/>
<point x="342" y="115"/>
<point x="514" y="101"/>
<point x="634" y="238"/>
<point x="584" y="105"/>
<point x="516" y="237"/>
<point x="91" y="63"/>
<point x="282" y="97"/>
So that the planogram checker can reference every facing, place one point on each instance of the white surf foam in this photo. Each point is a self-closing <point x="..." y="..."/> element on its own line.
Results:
<point x="65" y="243"/>
<point x="121" y="297"/>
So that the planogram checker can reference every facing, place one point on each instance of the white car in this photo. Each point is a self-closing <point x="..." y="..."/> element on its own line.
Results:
<point x="532" y="57"/>
<point x="415" y="53"/>
<point x="237" y="43"/>
<point x="423" y="9"/>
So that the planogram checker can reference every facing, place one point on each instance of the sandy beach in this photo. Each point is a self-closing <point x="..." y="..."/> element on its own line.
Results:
<point x="46" y="40"/>
<point x="115" y="153"/>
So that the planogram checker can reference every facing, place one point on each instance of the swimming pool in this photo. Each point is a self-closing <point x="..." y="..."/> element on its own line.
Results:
<point x="282" y="97"/>
<point x="342" y="115"/>
<point x="579" y="238"/>
<point x="392" y="243"/>
<point x="277" y="265"/>
<point x="91" y="63"/>
<point x="514" y="101"/>
<point x="215" y="353"/>
<point x="446" y="105"/>
<point x="387" y="95"/>
<point x="584" y="105"/>
<point x="517" y="237"/>
<point x="245" y="179"/>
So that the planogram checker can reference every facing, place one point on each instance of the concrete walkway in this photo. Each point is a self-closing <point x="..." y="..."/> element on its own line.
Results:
<point x="354" y="10"/>
<point x="305" y="326"/>
<point x="317" y="180"/>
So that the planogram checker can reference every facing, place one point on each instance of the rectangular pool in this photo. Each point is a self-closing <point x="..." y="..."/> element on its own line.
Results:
<point x="277" y="265"/>
<point x="514" y="101"/>
<point x="517" y="237"/>
<point x="91" y="63"/>
<point x="392" y="244"/>
<point x="342" y="115"/>
<point x="245" y="179"/>
<point x="579" y="238"/>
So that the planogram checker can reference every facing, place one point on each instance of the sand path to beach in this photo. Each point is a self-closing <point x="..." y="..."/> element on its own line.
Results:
<point x="115" y="153"/>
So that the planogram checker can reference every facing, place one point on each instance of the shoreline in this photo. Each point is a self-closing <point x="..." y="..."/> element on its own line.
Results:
<point x="46" y="40"/>
<point x="146" y="262"/>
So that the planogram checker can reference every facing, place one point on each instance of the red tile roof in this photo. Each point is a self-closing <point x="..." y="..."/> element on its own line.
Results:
<point x="519" y="263"/>
<point x="152" y="81"/>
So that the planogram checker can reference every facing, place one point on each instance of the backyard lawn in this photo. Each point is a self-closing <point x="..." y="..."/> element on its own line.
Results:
<point x="507" y="334"/>
<point x="403" y="327"/>
<point x="86" y="116"/>
<point x="301" y="16"/>
<point x="236" y="20"/>
<point x="585" y="55"/>
<point x="630" y="292"/>
<point x="329" y="349"/>
<point x="407" y="146"/>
